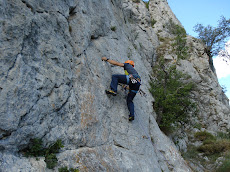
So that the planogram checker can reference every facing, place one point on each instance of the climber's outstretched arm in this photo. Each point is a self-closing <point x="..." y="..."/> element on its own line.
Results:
<point x="113" y="62"/>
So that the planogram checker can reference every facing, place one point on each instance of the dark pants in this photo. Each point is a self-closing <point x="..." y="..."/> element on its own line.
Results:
<point x="132" y="93"/>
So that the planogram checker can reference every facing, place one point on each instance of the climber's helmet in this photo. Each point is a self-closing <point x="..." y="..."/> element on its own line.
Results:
<point x="130" y="62"/>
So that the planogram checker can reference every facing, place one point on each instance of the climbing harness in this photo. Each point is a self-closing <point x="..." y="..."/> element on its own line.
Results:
<point x="134" y="79"/>
<point x="125" y="88"/>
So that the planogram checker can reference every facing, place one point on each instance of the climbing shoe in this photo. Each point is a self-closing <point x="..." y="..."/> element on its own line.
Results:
<point x="111" y="92"/>
<point x="131" y="118"/>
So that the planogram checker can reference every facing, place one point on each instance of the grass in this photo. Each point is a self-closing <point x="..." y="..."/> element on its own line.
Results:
<point x="204" y="135"/>
<point x="225" y="166"/>
<point x="191" y="153"/>
<point x="153" y="22"/>
<point x="212" y="147"/>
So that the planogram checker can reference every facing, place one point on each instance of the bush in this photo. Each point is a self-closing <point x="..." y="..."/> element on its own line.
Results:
<point x="179" y="45"/>
<point x="214" y="147"/>
<point x="54" y="148"/>
<point x="36" y="149"/>
<point x="172" y="103"/>
<point x="175" y="29"/>
<point x="51" y="160"/>
<point x="210" y="144"/>
<point x="63" y="169"/>
<point x="191" y="152"/>
<point x="165" y="47"/>
<point x="223" y="135"/>
<point x="204" y="135"/>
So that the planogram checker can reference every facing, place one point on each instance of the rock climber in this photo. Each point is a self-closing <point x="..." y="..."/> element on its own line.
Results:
<point x="131" y="78"/>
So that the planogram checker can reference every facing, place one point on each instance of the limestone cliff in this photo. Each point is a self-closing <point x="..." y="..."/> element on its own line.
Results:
<point x="53" y="80"/>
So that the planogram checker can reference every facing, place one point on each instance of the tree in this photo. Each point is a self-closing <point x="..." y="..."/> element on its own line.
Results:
<point x="214" y="37"/>
<point x="172" y="96"/>
<point x="225" y="53"/>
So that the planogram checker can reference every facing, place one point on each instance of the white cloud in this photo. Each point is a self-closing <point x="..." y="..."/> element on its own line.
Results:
<point x="227" y="46"/>
<point x="222" y="66"/>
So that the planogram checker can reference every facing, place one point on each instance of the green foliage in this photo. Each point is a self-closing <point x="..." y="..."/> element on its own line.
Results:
<point x="146" y="4"/>
<point x="54" y="148"/>
<point x="178" y="44"/>
<point x="165" y="47"/>
<point x="180" y="47"/>
<point x="223" y="135"/>
<point x="225" y="167"/>
<point x="36" y="149"/>
<point x="172" y="103"/>
<point x="175" y="29"/>
<point x="153" y="21"/>
<point x="204" y="135"/>
<point x="211" y="147"/>
<point x="191" y="152"/>
<point x="113" y="28"/>
<point x="211" y="144"/>
<point x="214" y="37"/>
<point x="65" y="169"/>
<point x="136" y="1"/>
<point x="51" y="160"/>
<point x="197" y="125"/>
<point x="73" y="170"/>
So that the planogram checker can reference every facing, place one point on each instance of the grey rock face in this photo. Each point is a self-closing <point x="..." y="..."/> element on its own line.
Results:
<point x="53" y="80"/>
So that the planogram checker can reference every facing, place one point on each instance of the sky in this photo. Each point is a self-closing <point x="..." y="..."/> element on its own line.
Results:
<point x="205" y="12"/>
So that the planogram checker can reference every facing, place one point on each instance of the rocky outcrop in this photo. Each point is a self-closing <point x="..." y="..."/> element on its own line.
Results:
<point x="213" y="105"/>
<point x="53" y="80"/>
